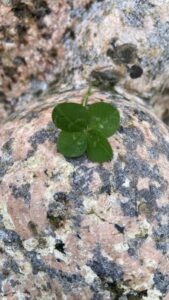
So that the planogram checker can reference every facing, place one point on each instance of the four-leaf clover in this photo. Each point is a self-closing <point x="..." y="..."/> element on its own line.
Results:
<point x="86" y="129"/>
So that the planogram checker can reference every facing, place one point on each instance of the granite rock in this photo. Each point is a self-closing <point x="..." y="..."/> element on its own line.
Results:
<point x="73" y="229"/>
<point x="31" y="48"/>
<point x="46" y="42"/>
<point x="130" y="39"/>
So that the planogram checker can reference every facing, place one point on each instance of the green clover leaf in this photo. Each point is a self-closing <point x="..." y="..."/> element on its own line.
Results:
<point x="70" y="117"/>
<point x="98" y="148"/>
<point x="85" y="128"/>
<point x="104" y="118"/>
<point x="72" y="144"/>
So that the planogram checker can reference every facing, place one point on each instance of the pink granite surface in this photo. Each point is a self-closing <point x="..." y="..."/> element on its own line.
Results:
<point x="73" y="229"/>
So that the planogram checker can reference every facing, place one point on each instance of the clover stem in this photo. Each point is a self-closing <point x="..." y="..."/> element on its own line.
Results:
<point x="87" y="95"/>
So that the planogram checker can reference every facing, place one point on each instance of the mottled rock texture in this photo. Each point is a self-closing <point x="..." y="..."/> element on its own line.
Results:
<point x="122" y="35"/>
<point x="45" y="42"/>
<point x="72" y="229"/>
<point x="30" y="47"/>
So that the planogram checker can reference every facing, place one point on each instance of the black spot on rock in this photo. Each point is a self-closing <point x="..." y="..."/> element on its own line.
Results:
<point x="60" y="246"/>
<point x="135" y="71"/>
<point x="120" y="228"/>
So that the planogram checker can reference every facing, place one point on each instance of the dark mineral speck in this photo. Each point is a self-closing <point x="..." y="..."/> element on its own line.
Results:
<point x="60" y="246"/>
<point x="135" y="71"/>
<point x="119" y="228"/>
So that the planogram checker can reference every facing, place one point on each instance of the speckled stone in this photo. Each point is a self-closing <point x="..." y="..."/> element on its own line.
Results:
<point x="45" y="42"/>
<point x="72" y="229"/>
<point x="33" y="35"/>
<point x="121" y="34"/>
<point x="31" y="48"/>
